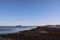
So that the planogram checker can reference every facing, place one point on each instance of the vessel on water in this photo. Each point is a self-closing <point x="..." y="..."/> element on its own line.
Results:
<point x="18" y="26"/>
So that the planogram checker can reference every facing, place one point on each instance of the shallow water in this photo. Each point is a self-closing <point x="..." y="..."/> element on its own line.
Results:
<point x="14" y="29"/>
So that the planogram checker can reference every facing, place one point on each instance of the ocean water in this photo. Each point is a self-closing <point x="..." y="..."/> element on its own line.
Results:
<point x="14" y="29"/>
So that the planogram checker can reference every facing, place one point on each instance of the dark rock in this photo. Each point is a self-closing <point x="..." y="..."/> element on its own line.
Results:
<point x="34" y="34"/>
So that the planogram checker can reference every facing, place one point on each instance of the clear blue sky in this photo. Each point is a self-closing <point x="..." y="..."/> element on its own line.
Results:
<point x="29" y="12"/>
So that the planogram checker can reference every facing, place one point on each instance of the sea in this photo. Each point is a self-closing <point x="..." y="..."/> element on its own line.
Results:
<point x="14" y="29"/>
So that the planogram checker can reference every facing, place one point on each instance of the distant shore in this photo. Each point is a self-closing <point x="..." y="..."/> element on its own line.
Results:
<point x="39" y="33"/>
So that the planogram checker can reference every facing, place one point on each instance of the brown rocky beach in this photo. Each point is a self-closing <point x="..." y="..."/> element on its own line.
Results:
<point x="39" y="33"/>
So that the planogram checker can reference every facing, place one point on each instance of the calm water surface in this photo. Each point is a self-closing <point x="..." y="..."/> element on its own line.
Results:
<point x="14" y="29"/>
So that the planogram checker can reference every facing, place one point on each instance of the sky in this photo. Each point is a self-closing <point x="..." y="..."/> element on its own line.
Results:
<point x="29" y="12"/>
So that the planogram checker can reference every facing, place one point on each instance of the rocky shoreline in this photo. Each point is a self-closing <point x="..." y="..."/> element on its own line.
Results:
<point x="39" y="33"/>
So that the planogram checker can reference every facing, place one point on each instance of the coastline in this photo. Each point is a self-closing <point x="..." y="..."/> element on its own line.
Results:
<point x="39" y="33"/>
<point x="14" y="29"/>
